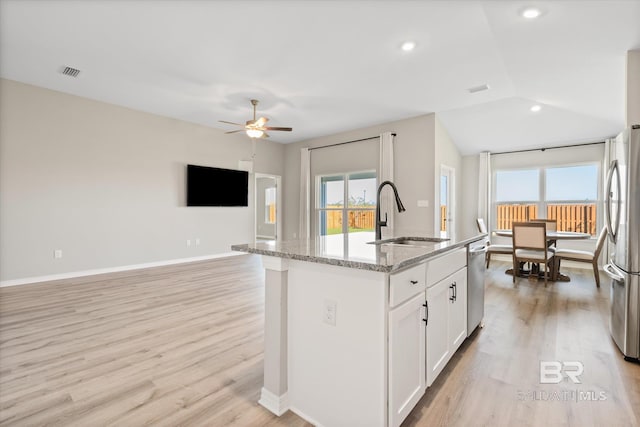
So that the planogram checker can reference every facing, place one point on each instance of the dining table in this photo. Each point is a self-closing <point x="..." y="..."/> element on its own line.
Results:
<point x="552" y="238"/>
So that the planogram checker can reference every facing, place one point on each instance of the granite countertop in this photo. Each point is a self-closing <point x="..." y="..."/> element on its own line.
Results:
<point x="356" y="251"/>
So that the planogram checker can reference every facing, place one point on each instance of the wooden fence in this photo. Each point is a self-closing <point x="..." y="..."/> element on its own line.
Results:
<point x="358" y="220"/>
<point x="271" y="209"/>
<point x="508" y="214"/>
<point x="580" y="217"/>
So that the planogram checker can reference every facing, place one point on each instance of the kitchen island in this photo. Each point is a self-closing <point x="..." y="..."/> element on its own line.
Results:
<point x="356" y="331"/>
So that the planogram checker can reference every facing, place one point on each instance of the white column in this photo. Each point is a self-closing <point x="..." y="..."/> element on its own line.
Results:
<point x="274" y="391"/>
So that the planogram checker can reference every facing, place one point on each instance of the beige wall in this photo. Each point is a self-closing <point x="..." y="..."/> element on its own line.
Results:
<point x="413" y="166"/>
<point x="633" y="88"/>
<point x="106" y="185"/>
<point x="469" y="195"/>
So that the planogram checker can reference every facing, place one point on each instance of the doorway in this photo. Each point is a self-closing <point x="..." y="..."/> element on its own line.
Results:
<point x="267" y="207"/>
<point x="447" y="202"/>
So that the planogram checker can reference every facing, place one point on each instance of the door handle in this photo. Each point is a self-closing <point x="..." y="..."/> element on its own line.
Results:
<point x="610" y="271"/>
<point x="613" y="234"/>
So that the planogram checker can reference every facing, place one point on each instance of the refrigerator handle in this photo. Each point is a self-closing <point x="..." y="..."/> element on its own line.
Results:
<point x="612" y="169"/>
<point x="610" y="271"/>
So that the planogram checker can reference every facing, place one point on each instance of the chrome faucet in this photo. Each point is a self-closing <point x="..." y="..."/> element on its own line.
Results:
<point x="380" y="223"/>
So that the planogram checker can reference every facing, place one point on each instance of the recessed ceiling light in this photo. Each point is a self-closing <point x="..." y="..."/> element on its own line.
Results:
<point x="408" y="46"/>
<point x="536" y="108"/>
<point x="531" y="13"/>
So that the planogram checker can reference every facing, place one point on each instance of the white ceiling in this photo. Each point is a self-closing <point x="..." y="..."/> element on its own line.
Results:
<point x="328" y="66"/>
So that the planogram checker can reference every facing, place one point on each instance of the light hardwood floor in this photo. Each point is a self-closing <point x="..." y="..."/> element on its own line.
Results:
<point x="182" y="346"/>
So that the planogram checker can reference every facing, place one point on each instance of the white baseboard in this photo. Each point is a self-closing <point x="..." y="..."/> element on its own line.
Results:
<point x="276" y="404"/>
<point x="305" y="417"/>
<point x="565" y="263"/>
<point x="70" y="275"/>
<point x="261" y="236"/>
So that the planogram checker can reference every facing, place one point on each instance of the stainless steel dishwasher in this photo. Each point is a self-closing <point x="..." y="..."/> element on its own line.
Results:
<point x="476" y="252"/>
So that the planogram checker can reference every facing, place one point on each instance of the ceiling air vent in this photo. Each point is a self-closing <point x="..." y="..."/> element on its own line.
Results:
<point x="478" y="88"/>
<point x="69" y="71"/>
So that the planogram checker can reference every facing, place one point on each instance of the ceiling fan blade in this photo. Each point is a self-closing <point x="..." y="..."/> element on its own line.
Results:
<point x="265" y="135"/>
<point x="234" y="131"/>
<point x="261" y="122"/>
<point x="230" y="123"/>
<point x="278" y="128"/>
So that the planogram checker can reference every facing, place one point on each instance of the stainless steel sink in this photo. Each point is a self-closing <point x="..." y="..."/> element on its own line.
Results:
<point x="410" y="241"/>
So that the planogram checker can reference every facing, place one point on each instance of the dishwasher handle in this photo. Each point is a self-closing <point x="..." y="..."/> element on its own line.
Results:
<point x="479" y="250"/>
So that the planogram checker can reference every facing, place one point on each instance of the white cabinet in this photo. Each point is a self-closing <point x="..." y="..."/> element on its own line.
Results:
<point x="407" y="283"/>
<point x="458" y="310"/>
<point x="437" y="329"/>
<point x="447" y="321"/>
<point x="406" y="358"/>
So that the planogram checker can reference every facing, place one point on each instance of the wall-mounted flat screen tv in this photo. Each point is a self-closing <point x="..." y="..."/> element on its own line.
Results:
<point x="208" y="186"/>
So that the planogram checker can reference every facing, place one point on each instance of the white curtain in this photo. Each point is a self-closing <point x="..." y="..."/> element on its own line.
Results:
<point x="305" y="201"/>
<point x="484" y="188"/>
<point x="386" y="174"/>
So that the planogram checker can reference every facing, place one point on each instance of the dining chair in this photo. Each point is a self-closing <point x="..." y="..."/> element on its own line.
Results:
<point x="583" y="256"/>
<point x="530" y="245"/>
<point x="552" y="224"/>
<point x="493" y="249"/>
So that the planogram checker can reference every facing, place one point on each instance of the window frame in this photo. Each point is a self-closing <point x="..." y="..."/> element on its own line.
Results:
<point x="542" y="203"/>
<point x="345" y="205"/>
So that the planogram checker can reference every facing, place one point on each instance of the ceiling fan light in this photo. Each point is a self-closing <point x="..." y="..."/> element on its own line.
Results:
<point x="254" y="133"/>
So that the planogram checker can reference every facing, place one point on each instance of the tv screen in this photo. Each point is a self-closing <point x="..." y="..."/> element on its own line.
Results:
<point x="216" y="187"/>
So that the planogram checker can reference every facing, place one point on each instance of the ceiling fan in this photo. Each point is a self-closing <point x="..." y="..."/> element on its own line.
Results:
<point x="255" y="128"/>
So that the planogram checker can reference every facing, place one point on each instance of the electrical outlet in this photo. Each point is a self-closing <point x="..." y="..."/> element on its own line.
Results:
<point x="57" y="254"/>
<point x="198" y="241"/>
<point x="329" y="312"/>
<point x="188" y="242"/>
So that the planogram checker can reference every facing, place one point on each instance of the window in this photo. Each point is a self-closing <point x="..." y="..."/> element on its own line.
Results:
<point x="270" y="205"/>
<point x="334" y="216"/>
<point x="517" y="193"/>
<point x="571" y="194"/>
<point x="568" y="194"/>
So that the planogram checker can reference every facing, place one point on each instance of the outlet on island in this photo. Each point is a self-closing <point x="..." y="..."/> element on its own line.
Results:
<point x="329" y="312"/>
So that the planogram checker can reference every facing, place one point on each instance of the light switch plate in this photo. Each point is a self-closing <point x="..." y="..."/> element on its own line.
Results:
<point x="423" y="203"/>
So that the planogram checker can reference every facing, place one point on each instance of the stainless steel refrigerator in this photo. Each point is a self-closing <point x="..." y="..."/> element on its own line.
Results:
<point x="622" y="216"/>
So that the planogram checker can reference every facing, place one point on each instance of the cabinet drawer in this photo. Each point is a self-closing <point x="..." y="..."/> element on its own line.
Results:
<point x="407" y="283"/>
<point x="440" y="267"/>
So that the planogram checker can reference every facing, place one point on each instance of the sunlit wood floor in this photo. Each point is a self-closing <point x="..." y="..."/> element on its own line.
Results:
<point x="182" y="346"/>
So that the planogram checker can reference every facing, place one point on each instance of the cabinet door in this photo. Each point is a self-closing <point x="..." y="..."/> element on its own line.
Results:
<point x="406" y="358"/>
<point x="437" y="328"/>
<point x="458" y="310"/>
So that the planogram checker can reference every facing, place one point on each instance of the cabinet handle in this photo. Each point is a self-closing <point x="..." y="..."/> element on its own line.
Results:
<point x="455" y="291"/>
<point x="452" y="298"/>
<point x="426" y="306"/>
<point x="413" y="282"/>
